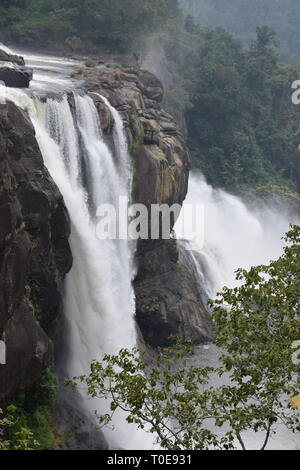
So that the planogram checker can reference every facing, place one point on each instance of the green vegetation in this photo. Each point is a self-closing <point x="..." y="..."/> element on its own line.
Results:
<point x="22" y="439"/>
<point x="28" y="423"/>
<point x="113" y="65"/>
<point x="277" y="196"/>
<point x="242" y="16"/>
<point x="232" y="100"/>
<point x="137" y="133"/>
<point x="90" y="63"/>
<point x="112" y="25"/>
<point x="256" y="326"/>
<point x="236" y="100"/>
<point x="173" y="250"/>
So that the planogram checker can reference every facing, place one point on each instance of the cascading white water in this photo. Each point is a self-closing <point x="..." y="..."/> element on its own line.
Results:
<point x="99" y="297"/>
<point x="6" y="49"/>
<point x="99" y="294"/>
<point x="235" y="236"/>
<point x="99" y="300"/>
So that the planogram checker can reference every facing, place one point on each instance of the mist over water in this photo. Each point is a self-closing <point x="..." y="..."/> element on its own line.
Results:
<point x="235" y="235"/>
<point x="6" y="49"/>
<point x="99" y="299"/>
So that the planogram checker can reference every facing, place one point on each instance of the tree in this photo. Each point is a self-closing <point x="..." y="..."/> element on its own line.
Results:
<point x="110" y="25"/>
<point x="263" y="49"/>
<point x="23" y="439"/>
<point x="240" y="16"/>
<point x="5" y="423"/>
<point x="255" y="326"/>
<point x="236" y="102"/>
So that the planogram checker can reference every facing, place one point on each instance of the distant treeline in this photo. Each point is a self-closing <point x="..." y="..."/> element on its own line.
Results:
<point x="81" y="24"/>
<point x="242" y="127"/>
<point x="234" y="100"/>
<point x="241" y="17"/>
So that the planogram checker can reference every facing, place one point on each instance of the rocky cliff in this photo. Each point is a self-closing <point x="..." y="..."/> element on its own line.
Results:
<point x="34" y="253"/>
<point x="34" y="228"/>
<point x="167" y="295"/>
<point x="13" y="72"/>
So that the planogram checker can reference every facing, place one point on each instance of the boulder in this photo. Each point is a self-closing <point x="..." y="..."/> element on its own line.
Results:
<point x="15" y="59"/>
<point x="16" y="77"/>
<point x="169" y="297"/>
<point x="13" y="72"/>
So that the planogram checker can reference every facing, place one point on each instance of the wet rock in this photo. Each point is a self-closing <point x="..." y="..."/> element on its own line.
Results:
<point x="34" y="253"/>
<point x="160" y="156"/>
<point x="16" y="77"/>
<point x="16" y="59"/>
<point x="168" y="300"/>
<point x="79" y="428"/>
<point x="13" y="71"/>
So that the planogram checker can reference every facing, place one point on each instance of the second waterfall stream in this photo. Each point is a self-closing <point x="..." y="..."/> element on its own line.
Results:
<point x="99" y="303"/>
<point x="99" y="297"/>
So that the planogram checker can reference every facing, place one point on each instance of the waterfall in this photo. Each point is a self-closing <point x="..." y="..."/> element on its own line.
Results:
<point x="5" y="49"/>
<point x="99" y="298"/>
<point x="235" y="236"/>
<point x="99" y="293"/>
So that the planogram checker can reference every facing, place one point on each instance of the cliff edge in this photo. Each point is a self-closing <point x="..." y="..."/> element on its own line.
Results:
<point x="34" y="253"/>
<point x="168" y="300"/>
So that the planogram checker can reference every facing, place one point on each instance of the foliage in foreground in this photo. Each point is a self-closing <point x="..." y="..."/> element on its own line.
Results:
<point x="256" y="326"/>
<point x="23" y="438"/>
<point x="27" y="423"/>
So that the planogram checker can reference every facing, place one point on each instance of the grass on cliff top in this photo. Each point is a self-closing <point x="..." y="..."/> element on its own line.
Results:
<point x="113" y="65"/>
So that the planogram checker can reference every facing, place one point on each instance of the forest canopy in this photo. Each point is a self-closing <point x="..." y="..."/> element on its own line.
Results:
<point x="242" y="127"/>
<point x="110" y="24"/>
<point x="232" y="99"/>
<point x="241" y="17"/>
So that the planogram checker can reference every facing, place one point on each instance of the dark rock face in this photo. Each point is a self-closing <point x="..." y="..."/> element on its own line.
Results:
<point x="160" y="157"/>
<point x="19" y="77"/>
<point x="169" y="300"/>
<point x="79" y="428"/>
<point x="13" y="71"/>
<point x="167" y="290"/>
<point x="34" y="253"/>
